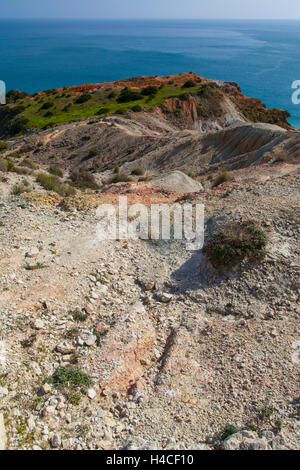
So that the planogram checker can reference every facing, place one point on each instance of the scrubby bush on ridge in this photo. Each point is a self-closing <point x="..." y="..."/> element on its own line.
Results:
<point x="235" y="242"/>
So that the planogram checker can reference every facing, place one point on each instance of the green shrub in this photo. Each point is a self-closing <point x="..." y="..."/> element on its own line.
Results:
<point x="53" y="183"/>
<point x="14" y="95"/>
<point x="84" y="179"/>
<point x="71" y="376"/>
<point x="228" y="431"/>
<point x="267" y="412"/>
<point x="149" y="91"/>
<point x="234" y="242"/>
<point x="14" y="155"/>
<point x="127" y="95"/>
<point x="3" y="146"/>
<point x="189" y="84"/>
<point x="93" y="153"/>
<point x="78" y="315"/>
<point x="83" y="98"/>
<point x="47" y="105"/>
<point x="74" y="397"/>
<point x="121" y="178"/>
<point x="8" y="165"/>
<point x="38" y="265"/>
<point x="29" y="164"/>
<point x="184" y="97"/>
<point x="112" y="95"/>
<point x="21" y="170"/>
<point x="72" y="333"/>
<point x="56" y="171"/>
<point x="221" y="178"/>
<point x="47" y="181"/>
<point x="10" y="123"/>
<point x="3" y="166"/>
<point x="137" y="172"/>
<point x="17" y="126"/>
<point x="19" y="188"/>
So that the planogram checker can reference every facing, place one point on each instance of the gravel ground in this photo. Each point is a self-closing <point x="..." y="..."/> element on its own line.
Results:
<point x="176" y="351"/>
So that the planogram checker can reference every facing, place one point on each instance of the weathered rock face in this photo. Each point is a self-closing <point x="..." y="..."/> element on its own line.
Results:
<point x="154" y="143"/>
<point x="172" y="135"/>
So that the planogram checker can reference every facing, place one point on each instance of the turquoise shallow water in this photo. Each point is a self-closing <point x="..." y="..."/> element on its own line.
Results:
<point x="262" y="56"/>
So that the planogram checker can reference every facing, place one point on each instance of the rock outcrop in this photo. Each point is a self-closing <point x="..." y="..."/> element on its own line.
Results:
<point x="178" y="181"/>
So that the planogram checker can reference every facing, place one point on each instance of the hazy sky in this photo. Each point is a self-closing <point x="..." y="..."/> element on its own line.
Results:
<point x="279" y="9"/>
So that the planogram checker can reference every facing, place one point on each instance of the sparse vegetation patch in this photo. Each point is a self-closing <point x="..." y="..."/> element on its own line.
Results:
<point x="235" y="242"/>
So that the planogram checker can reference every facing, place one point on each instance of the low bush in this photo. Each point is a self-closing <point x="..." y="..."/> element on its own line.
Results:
<point x="56" y="171"/>
<point x="3" y="166"/>
<point x="149" y="91"/>
<point x="189" y="84"/>
<point x="127" y="95"/>
<point x="93" y="153"/>
<point x="235" y="242"/>
<point x="221" y="178"/>
<point x="70" y="376"/>
<point x="84" y="179"/>
<point x="47" y="105"/>
<point x="121" y="178"/>
<point x="53" y="183"/>
<point x="83" y="98"/>
<point x="74" y="397"/>
<point x="137" y="172"/>
<point x="3" y="146"/>
<point x="14" y="95"/>
<point x="184" y="97"/>
<point x="112" y="95"/>
<point x="67" y="107"/>
<point x="20" y="188"/>
<point x="8" y="165"/>
<point x="79" y="315"/>
<point x="228" y="431"/>
<point x="47" y="181"/>
<point x="29" y="164"/>
<point x="21" y="170"/>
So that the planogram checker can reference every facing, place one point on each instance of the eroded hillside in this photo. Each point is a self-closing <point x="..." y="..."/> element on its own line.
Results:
<point x="144" y="344"/>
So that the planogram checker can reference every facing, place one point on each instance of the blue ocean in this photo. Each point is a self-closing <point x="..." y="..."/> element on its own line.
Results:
<point x="262" y="56"/>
